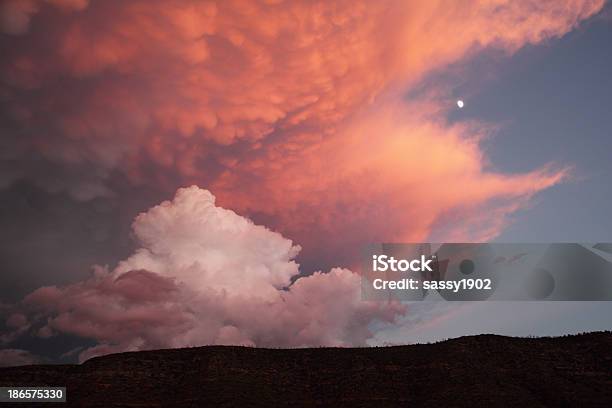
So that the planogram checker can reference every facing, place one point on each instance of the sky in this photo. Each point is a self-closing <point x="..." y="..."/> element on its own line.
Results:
<point x="554" y="103"/>
<point x="179" y="173"/>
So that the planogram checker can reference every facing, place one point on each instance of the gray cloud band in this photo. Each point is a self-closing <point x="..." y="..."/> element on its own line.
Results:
<point x="487" y="271"/>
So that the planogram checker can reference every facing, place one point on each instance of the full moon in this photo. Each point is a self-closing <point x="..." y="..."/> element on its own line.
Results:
<point x="460" y="103"/>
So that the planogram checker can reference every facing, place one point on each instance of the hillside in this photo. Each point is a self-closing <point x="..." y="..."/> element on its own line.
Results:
<point x="483" y="370"/>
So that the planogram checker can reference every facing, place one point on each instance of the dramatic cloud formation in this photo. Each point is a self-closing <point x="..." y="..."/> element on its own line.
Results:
<point x="205" y="275"/>
<point x="301" y="115"/>
<point x="233" y="95"/>
<point x="387" y="177"/>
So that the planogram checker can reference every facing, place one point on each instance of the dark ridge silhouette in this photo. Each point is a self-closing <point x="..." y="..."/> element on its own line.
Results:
<point x="485" y="370"/>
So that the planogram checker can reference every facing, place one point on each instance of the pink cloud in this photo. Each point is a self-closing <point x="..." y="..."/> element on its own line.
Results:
<point x="391" y="175"/>
<point x="205" y="275"/>
<point x="207" y="90"/>
<point x="293" y="112"/>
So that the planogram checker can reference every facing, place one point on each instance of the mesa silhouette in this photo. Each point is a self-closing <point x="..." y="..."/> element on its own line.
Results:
<point x="484" y="370"/>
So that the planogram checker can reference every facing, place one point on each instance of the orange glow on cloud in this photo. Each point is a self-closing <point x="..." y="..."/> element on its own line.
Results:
<point x="293" y="113"/>
<point x="384" y="177"/>
<point x="287" y="110"/>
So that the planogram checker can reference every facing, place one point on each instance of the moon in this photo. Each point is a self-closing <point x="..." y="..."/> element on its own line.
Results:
<point x="460" y="103"/>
